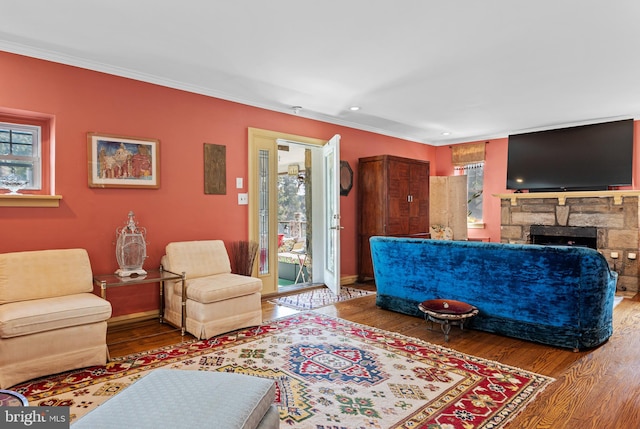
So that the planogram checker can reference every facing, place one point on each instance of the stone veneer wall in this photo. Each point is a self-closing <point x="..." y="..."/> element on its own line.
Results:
<point x="617" y="224"/>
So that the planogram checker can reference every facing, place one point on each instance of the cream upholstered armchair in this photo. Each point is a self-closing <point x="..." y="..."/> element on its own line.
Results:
<point x="216" y="300"/>
<point x="50" y="321"/>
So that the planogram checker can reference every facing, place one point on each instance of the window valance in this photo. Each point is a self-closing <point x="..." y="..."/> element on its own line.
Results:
<point x="465" y="154"/>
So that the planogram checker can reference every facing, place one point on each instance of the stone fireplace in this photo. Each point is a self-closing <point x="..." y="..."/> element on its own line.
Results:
<point x="605" y="220"/>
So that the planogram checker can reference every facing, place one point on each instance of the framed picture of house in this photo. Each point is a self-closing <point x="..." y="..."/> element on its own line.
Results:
<point x="122" y="162"/>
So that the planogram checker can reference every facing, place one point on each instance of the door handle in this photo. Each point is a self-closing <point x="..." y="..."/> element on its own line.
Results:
<point x="336" y="217"/>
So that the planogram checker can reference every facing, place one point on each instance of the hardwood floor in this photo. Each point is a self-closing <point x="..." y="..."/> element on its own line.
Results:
<point x="597" y="388"/>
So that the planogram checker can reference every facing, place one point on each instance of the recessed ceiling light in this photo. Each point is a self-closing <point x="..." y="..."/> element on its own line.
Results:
<point x="446" y="133"/>
<point x="354" y="108"/>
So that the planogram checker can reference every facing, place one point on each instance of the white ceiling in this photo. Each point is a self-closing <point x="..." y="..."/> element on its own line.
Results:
<point x="417" y="68"/>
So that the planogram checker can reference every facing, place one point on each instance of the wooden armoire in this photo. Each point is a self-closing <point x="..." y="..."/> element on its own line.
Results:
<point x="393" y="200"/>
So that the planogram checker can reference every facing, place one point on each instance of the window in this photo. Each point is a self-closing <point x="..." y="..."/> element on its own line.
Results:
<point x="475" y="179"/>
<point x="20" y="153"/>
<point x="469" y="159"/>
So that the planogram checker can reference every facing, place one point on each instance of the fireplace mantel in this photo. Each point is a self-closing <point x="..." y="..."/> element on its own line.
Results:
<point x="562" y="196"/>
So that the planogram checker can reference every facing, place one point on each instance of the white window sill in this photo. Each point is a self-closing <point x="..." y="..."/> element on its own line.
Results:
<point x="30" y="200"/>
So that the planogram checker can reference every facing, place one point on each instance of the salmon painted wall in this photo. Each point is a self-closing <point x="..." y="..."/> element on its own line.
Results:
<point x="81" y="101"/>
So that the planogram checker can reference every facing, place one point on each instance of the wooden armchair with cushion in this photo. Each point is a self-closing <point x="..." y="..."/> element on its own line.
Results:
<point x="215" y="299"/>
<point x="50" y="321"/>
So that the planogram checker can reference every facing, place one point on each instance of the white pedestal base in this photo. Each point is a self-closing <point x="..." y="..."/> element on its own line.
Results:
<point x="128" y="273"/>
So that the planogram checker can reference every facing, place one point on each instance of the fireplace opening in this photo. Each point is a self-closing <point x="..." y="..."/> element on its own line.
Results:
<point x="582" y="236"/>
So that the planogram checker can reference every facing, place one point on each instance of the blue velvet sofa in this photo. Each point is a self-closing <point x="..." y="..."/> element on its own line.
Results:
<point x="556" y="295"/>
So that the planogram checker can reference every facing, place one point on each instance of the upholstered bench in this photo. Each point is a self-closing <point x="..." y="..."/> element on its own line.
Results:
<point x="174" y="398"/>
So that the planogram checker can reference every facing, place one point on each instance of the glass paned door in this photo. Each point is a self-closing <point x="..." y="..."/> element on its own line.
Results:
<point x="263" y="211"/>
<point x="331" y="209"/>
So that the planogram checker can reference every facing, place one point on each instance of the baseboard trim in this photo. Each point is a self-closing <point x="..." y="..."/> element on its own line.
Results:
<point x="348" y="280"/>
<point x="134" y="317"/>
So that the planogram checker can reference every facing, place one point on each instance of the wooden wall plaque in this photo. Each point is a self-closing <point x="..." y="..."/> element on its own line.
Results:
<point x="215" y="169"/>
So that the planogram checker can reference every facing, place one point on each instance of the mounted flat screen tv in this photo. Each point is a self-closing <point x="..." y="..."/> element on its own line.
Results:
<point x="588" y="157"/>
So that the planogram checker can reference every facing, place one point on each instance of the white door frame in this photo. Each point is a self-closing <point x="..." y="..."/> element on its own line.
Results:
<point x="265" y="140"/>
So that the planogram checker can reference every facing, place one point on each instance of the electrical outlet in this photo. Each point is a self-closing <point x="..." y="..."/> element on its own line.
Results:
<point x="243" y="199"/>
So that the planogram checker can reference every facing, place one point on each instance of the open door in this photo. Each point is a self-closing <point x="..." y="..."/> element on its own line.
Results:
<point x="331" y="213"/>
<point x="263" y="207"/>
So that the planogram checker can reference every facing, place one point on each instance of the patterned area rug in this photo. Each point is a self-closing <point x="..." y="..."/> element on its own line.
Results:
<point x="317" y="298"/>
<point x="329" y="373"/>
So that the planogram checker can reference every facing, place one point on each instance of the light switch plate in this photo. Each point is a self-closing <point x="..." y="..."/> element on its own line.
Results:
<point x="239" y="183"/>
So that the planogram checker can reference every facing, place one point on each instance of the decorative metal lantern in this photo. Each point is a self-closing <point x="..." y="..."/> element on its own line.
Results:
<point x="131" y="248"/>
